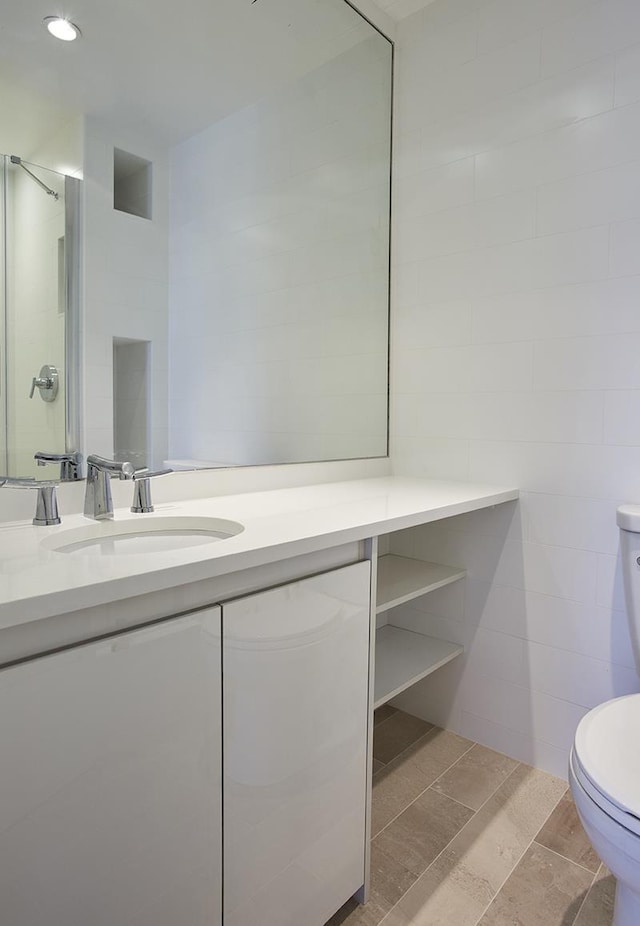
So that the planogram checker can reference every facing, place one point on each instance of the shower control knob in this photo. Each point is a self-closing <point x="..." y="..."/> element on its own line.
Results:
<point x="47" y="382"/>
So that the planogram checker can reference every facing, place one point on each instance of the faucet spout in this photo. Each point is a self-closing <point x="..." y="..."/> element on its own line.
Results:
<point x="98" y="503"/>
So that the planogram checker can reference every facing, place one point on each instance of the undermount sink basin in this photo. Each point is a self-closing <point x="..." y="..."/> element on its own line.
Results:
<point x="155" y="535"/>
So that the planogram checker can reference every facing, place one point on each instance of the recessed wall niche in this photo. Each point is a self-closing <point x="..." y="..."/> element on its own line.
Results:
<point x="131" y="372"/>
<point x="131" y="183"/>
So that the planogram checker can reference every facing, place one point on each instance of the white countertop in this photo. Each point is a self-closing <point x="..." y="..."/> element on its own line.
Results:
<point x="36" y="582"/>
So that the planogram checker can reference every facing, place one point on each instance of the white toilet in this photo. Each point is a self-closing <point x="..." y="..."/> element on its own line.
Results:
<point x="604" y="768"/>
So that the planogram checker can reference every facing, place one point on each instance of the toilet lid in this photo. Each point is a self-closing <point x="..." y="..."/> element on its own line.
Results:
<point x="607" y="746"/>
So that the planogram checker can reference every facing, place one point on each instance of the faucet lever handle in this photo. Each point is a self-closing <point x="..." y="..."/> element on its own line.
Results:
<point x="145" y="473"/>
<point x="47" y="381"/>
<point x="18" y="482"/>
<point x="142" y="489"/>
<point x="47" y="502"/>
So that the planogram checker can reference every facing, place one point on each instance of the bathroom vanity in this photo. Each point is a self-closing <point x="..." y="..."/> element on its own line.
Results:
<point x="186" y="735"/>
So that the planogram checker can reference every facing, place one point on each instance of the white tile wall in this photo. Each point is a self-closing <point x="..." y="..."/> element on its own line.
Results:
<point x="515" y="349"/>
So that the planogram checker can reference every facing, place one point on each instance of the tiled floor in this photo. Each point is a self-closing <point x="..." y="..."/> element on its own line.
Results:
<point x="464" y="836"/>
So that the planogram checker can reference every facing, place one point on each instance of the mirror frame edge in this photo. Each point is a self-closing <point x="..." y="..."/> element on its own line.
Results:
<point x="74" y="354"/>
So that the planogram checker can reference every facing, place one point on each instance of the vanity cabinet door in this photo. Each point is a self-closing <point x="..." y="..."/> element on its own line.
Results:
<point x="110" y="791"/>
<point x="295" y="680"/>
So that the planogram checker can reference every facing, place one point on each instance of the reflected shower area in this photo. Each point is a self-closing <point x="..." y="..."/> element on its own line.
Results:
<point x="38" y="317"/>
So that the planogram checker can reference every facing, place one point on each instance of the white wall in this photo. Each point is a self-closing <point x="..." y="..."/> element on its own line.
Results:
<point x="279" y="272"/>
<point x="516" y="338"/>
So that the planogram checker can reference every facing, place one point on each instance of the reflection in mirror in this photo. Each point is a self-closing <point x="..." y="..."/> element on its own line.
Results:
<point x="38" y="214"/>
<point x="235" y="217"/>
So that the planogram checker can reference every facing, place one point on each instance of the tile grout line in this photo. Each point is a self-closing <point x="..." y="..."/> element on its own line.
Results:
<point x="448" y="769"/>
<point x="564" y="857"/>
<point x="588" y="891"/>
<point x="524" y="852"/>
<point x="455" y="800"/>
<point x="406" y="807"/>
<point x="406" y="748"/>
<point x="470" y="820"/>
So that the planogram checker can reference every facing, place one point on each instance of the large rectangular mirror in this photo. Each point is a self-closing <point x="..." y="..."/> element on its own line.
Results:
<point x="232" y="290"/>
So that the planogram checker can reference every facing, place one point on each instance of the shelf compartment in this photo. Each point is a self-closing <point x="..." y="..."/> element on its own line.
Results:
<point x="404" y="657"/>
<point x="401" y="579"/>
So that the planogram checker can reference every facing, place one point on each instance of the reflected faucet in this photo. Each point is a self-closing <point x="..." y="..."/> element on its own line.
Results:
<point x="98" y="503"/>
<point x="70" y="463"/>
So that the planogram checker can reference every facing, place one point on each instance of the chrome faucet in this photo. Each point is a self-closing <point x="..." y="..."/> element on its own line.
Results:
<point x="142" y="503"/>
<point x="70" y="463"/>
<point x="98" y="503"/>
<point x="47" y="501"/>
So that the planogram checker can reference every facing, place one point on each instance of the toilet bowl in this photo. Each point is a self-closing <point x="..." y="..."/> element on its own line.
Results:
<point x="604" y="766"/>
<point x="604" y="775"/>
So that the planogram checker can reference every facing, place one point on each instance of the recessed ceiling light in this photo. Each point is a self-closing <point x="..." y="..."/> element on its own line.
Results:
<point x="61" y="28"/>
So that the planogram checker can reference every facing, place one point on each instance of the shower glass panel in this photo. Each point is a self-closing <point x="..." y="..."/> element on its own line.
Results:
<point x="36" y="288"/>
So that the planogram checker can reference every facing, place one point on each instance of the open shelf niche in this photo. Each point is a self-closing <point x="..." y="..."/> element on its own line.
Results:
<point x="403" y="657"/>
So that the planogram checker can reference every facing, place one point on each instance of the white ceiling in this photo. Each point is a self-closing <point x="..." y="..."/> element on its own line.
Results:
<point x="172" y="68"/>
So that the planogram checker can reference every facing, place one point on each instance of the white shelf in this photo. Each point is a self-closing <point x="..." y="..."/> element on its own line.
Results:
<point x="401" y="579"/>
<point x="404" y="657"/>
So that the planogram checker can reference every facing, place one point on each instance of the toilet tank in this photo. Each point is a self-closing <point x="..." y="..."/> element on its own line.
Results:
<point x="628" y="520"/>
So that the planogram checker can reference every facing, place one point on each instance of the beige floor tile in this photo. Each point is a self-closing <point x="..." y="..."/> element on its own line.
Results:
<point x="396" y="918"/>
<point x="437" y="774"/>
<point x="390" y="879"/>
<point x="544" y="890"/>
<point x="563" y="833"/>
<point x="401" y="781"/>
<point x="383" y="713"/>
<point x="437" y="752"/>
<point x="447" y="893"/>
<point x="457" y="888"/>
<point x="498" y="835"/>
<point x="353" y="914"/>
<point x="395" y="786"/>
<point x="597" y="909"/>
<point x="434" y="753"/>
<point x="421" y="832"/>
<point x="395" y="734"/>
<point x="476" y="776"/>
